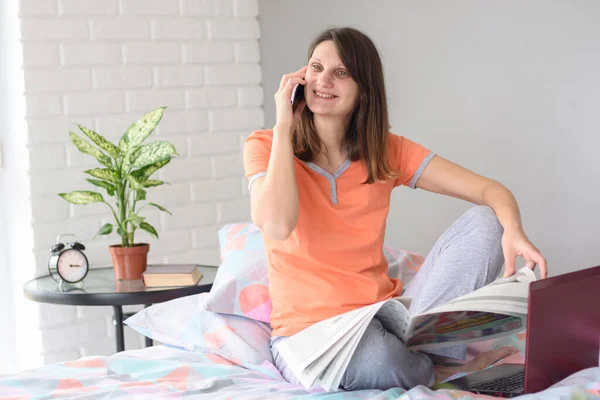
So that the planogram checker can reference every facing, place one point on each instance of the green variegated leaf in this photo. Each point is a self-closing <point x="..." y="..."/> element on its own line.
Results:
<point x="154" y="152"/>
<point x="149" y="228"/>
<point x="144" y="173"/>
<point x="104" y="173"/>
<point x="152" y="183"/>
<point x="87" y="148"/>
<point x="161" y="208"/>
<point x="134" y="183"/>
<point x="110" y="188"/>
<point x="82" y="197"/>
<point x="105" y="230"/>
<point x="140" y="195"/>
<point x="141" y="129"/>
<point x="135" y="219"/>
<point x="130" y="157"/>
<point x="101" y="142"/>
<point x="121" y="232"/>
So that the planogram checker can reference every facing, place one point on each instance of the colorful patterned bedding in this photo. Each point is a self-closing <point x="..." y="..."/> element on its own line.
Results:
<point x="168" y="372"/>
<point x="214" y="356"/>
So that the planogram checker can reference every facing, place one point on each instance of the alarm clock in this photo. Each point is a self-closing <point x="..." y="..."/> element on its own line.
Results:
<point x="67" y="261"/>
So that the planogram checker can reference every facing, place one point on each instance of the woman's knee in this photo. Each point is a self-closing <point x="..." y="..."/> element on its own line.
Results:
<point x="484" y="220"/>
<point x="485" y="232"/>
<point x="483" y="227"/>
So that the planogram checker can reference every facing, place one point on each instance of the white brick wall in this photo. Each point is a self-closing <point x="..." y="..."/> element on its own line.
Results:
<point x="103" y="64"/>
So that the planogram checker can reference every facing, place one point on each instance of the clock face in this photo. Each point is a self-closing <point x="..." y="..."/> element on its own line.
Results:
<point x="72" y="265"/>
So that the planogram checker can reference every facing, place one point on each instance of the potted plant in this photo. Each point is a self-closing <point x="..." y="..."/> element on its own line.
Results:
<point x="125" y="176"/>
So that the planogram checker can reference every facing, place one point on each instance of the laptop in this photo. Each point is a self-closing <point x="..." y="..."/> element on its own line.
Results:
<point x="563" y="337"/>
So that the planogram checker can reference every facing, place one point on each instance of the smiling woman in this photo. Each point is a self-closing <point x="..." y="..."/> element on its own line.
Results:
<point x="320" y="183"/>
<point x="342" y="80"/>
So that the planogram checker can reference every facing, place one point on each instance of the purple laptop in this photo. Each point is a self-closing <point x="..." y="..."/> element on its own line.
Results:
<point x="563" y="337"/>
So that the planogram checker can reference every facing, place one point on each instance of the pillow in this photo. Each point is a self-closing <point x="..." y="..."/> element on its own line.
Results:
<point x="402" y="264"/>
<point x="184" y="323"/>
<point x="241" y="286"/>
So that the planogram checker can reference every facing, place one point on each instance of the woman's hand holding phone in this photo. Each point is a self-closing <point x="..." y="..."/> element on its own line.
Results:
<point x="274" y="197"/>
<point x="287" y="118"/>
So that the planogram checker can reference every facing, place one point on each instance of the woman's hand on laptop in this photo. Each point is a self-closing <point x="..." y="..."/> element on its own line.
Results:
<point x="483" y="360"/>
<point x="515" y="243"/>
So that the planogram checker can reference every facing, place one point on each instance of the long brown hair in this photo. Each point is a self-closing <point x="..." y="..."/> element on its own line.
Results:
<point x="368" y="130"/>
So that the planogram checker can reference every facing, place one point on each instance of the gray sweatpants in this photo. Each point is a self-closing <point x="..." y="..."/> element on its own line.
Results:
<point x="466" y="257"/>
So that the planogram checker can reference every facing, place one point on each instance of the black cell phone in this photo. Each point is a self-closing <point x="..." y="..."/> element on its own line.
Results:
<point x="297" y="95"/>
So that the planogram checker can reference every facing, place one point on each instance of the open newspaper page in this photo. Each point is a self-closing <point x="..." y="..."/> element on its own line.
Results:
<point x="494" y="310"/>
<point x="320" y="354"/>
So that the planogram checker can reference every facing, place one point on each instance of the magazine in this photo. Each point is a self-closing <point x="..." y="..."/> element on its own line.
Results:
<point x="320" y="354"/>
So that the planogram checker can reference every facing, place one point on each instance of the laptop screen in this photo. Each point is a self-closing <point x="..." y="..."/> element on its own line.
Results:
<point x="563" y="327"/>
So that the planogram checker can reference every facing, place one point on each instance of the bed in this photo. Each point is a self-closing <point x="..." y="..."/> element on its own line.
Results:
<point x="216" y="346"/>
<point x="216" y="356"/>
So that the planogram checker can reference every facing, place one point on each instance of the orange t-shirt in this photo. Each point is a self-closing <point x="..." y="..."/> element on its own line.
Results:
<point x="333" y="261"/>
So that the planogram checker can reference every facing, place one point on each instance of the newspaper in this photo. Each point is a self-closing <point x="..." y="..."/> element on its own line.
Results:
<point x="319" y="355"/>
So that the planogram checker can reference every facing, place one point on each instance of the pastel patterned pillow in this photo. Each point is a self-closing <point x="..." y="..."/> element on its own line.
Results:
<point x="241" y="286"/>
<point x="184" y="323"/>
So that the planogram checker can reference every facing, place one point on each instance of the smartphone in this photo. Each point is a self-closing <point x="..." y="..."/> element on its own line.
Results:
<point x="297" y="95"/>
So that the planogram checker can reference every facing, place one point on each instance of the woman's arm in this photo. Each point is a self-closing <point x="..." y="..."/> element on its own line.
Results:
<point x="274" y="198"/>
<point x="445" y="177"/>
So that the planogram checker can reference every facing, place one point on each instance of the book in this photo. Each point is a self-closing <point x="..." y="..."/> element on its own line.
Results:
<point x="171" y="275"/>
<point x="319" y="355"/>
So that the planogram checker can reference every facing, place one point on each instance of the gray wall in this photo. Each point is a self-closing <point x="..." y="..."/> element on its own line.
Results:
<point x="509" y="89"/>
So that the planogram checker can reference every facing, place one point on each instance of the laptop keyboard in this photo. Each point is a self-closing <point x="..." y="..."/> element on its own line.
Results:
<point x="505" y="384"/>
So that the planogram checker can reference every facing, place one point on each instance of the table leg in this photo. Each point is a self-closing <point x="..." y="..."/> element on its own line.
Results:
<point x="149" y="342"/>
<point x="118" y="322"/>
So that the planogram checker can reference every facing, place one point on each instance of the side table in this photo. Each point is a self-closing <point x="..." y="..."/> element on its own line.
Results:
<point x="100" y="288"/>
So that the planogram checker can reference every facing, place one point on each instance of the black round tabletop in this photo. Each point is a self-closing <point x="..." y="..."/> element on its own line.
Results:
<point x="100" y="288"/>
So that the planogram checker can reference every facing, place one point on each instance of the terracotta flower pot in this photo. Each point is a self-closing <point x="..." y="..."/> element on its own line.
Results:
<point x="129" y="262"/>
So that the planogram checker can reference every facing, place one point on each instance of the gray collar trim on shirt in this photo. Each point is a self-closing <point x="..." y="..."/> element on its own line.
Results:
<point x="330" y="178"/>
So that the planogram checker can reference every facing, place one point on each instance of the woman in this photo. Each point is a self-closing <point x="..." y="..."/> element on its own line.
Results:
<point x="320" y="184"/>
